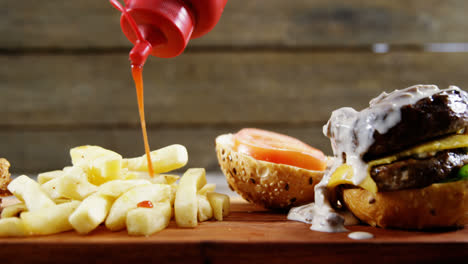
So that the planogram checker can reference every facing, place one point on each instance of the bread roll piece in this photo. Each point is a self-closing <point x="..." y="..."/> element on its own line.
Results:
<point x="271" y="185"/>
<point x="438" y="205"/>
<point x="4" y="177"/>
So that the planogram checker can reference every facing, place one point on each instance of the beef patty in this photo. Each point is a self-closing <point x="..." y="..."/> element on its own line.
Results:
<point x="441" y="114"/>
<point x="419" y="172"/>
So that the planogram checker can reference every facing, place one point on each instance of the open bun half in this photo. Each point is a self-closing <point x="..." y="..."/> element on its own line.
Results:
<point x="268" y="184"/>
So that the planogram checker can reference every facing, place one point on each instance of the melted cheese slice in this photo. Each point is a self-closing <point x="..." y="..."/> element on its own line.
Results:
<point x="344" y="173"/>
<point x="451" y="142"/>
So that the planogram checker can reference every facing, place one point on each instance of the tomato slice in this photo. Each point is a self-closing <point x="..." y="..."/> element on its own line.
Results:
<point x="278" y="148"/>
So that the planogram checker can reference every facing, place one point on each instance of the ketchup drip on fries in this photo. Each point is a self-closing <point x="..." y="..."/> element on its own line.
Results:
<point x="145" y="204"/>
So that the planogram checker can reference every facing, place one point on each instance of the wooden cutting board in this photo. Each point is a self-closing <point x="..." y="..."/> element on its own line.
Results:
<point x="249" y="235"/>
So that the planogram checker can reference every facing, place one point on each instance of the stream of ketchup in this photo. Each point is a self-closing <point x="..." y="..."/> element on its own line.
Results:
<point x="137" y="73"/>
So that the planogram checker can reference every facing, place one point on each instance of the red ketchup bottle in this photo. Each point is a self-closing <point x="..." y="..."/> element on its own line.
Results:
<point x="163" y="28"/>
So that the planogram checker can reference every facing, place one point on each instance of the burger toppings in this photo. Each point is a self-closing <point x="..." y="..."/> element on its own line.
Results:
<point x="417" y="173"/>
<point x="461" y="175"/>
<point x="407" y="139"/>
<point x="278" y="148"/>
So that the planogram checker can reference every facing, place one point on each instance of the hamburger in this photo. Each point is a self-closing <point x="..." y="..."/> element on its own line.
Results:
<point x="402" y="162"/>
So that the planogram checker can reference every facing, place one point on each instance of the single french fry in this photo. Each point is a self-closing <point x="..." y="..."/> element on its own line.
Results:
<point x="157" y="178"/>
<point x="209" y="187"/>
<point x="13" y="210"/>
<point x="51" y="188"/>
<point x="118" y="213"/>
<point x="117" y="187"/>
<point x="47" y="176"/>
<point x="170" y="178"/>
<point x="163" y="160"/>
<point x="50" y="220"/>
<point x="220" y="204"/>
<point x="101" y="164"/>
<point x="62" y="200"/>
<point x="13" y="227"/>
<point x="75" y="184"/>
<point x="186" y="201"/>
<point x="85" y="155"/>
<point x="147" y="221"/>
<point x="90" y="213"/>
<point x="30" y="192"/>
<point x="174" y="188"/>
<point x="205" y="212"/>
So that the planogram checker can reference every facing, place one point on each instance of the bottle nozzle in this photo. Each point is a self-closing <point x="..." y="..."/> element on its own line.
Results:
<point x="143" y="48"/>
<point x="140" y="53"/>
<point x="144" y="45"/>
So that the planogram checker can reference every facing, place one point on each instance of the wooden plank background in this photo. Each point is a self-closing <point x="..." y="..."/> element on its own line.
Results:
<point x="91" y="23"/>
<point x="280" y="65"/>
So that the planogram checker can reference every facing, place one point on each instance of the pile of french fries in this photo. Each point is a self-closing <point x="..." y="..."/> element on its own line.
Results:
<point x="101" y="187"/>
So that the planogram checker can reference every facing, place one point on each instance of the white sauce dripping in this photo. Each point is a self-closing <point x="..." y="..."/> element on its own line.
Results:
<point x="346" y="127"/>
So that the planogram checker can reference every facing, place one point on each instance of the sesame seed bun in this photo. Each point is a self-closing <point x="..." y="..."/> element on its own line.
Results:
<point x="271" y="185"/>
<point x="438" y="205"/>
<point x="4" y="177"/>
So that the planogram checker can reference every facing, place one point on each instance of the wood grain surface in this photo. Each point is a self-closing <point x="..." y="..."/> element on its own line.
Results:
<point x="211" y="88"/>
<point x="249" y="234"/>
<point x="89" y="23"/>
